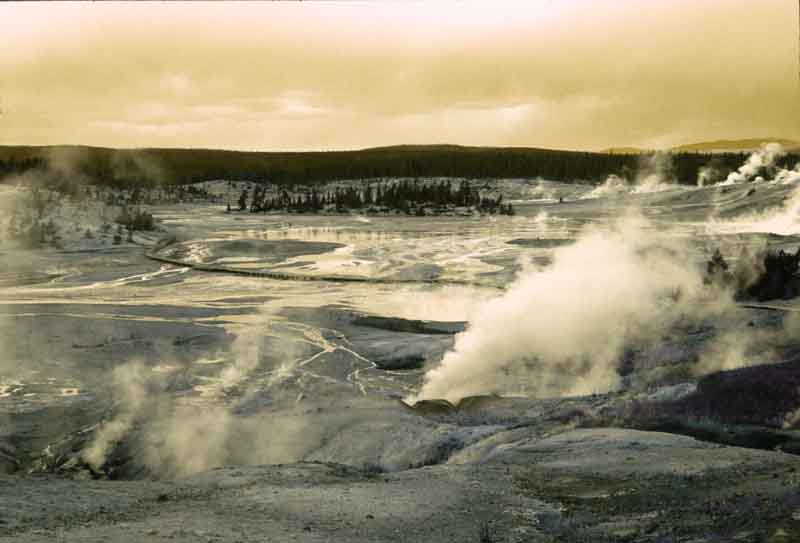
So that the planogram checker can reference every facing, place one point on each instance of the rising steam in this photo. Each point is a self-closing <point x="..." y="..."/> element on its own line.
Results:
<point x="130" y="383"/>
<point x="561" y="330"/>
<point x="784" y="220"/>
<point x="759" y="162"/>
<point x="654" y="174"/>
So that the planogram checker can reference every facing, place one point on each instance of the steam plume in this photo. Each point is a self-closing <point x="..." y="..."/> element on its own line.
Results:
<point x="760" y="160"/>
<point x="560" y="331"/>
<point x="783" y="220"/>
<point x="654" y="174"/>
<point x="130" y="386"/>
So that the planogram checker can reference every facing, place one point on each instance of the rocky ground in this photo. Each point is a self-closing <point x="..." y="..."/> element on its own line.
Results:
<point x="580" y="485"/>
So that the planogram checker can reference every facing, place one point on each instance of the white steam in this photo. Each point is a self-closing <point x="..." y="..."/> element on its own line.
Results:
<point x="784" y="220"/>
<point x="247" y="351"/>
<point x="171" y="437"/>
<point x="760" y="160"/>
<point x="788" y="177"/>
<point x="130" y="383"/>
<point x="736" y="347"/>
<point x="706" y="176"/>
<point x="614" y="185"/>
<point x="561" y="330"/>
<point x="653" y="175"/>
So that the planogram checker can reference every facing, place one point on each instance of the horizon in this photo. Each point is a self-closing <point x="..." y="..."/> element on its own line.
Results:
<point x="676" y="148"/>
<point x="345" y="76"/>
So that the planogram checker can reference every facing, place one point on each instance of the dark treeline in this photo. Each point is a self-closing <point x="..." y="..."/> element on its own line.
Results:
<point x="148" y="167"/>
<point x="14" y="165"/>
<point x="34" y="170"/>
<point x="404" y="196"/>
<point x="765" y="275"/>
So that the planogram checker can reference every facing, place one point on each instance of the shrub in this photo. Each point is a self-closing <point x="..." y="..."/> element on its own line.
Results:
<point x="765" y="276"/>
<point x="139" y="220"/>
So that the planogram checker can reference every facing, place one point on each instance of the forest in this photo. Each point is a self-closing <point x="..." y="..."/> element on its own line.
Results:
<point x="410" y="197"/>
<point x="61" y="166"/>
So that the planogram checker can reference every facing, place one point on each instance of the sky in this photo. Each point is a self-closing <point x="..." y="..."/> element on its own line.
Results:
<point x="570" y="74"/>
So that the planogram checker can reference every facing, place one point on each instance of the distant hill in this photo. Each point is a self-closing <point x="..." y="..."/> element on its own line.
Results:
<point x="142" y="166"/>
<point x="718" y="146"/>
<point x="726" y="146"/>
<point x="133" y="167"/>
<point x="624" y="151"/>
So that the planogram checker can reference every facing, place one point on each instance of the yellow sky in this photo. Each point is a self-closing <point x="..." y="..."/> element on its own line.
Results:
<point x="580" y="74"/>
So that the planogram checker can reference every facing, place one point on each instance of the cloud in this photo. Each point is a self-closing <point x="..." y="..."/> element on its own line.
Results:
<point x="334" y="76"/>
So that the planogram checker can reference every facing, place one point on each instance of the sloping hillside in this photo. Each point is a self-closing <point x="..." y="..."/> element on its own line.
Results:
<point x="129" y="167"/>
